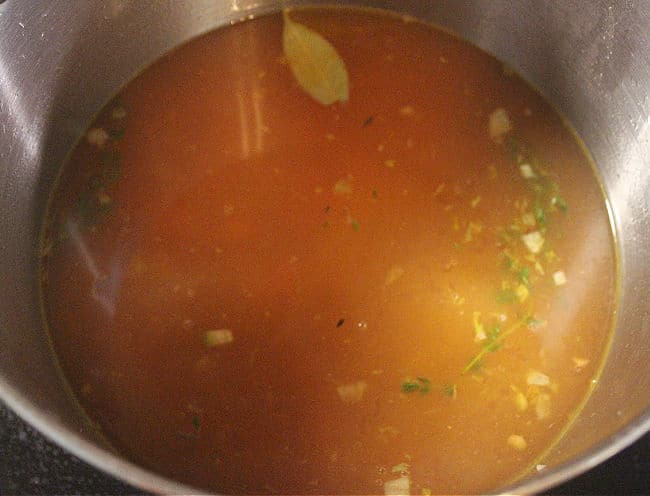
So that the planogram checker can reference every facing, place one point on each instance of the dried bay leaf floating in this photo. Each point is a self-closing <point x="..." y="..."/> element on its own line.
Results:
<point x="315" y="63"/>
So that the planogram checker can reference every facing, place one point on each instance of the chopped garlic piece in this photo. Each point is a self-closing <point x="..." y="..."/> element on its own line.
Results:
<point x="475" y="201"/>
<point x="499" y="124"/>
<point x="579" y="363"/>
<point x="97" y="136"/>
<point x="527" y="171"/>
<point x="400" y="467"/>
<point x="398" y="487"/>
<point x="472" y="229"/>
<point x="540" y="467"/>
<point x="517" y="442"/>
<point x="533" y="241"/>
<point x="343" y="186"/>
<point x="218" y="337"/>
<point x="559" y="278"/>
<point x="118" y="113"/>
<point x="522" y="293"/>
<point x="352" y="393"/>
<point x="536" y="378"/>
<point x="521" y="402"/>
<point x="543" y="406"/>
<point x="104" y="199"/>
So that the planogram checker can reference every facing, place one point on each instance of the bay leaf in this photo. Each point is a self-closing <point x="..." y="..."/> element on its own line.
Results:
<point x="315" y="63"/>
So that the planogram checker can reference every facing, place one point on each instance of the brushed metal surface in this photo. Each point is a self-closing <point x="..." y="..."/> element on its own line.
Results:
<point x="60" y="61"/>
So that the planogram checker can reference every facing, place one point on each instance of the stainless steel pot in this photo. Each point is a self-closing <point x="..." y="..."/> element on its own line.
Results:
<point x="61" y="60"/>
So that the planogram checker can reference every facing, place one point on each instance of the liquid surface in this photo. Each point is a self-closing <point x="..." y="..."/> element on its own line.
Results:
<point x="252" y="292"/>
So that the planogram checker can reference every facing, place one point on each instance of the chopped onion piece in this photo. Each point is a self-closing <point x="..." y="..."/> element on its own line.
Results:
<point x="118" y="113"/>
<point x="543" y="406"/>
<point x="536" y="378"/>
<point x="527" y="171"/>
<point x="522" y="293"/>
<point x="499" y="124"/>
<point x="400" y="467"/>
<point x="559" y="278"/>
<point x="398" y="487"/>
<point x="97" y="136"/>
<point x="533" y="241"/>
<point x="517" y="442"/>
<point x="352" y="393"/>
<point x="218" y="337"/>
<point x="521" y="401"/>
<point x="343" y="186"/>
<point x="579" y="363"/>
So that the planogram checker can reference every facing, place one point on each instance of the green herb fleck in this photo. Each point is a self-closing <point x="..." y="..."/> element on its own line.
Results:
<point x="420" y="384"/>
<point x="509" y="261"/>
<point x="540" y="215"/>
<point x="196" y="423"/>
<point x="374" y="193"/>
<point x="494" y="341"/>
<point x="355" y="225"/>
<point x="410" y="387"/>
<point x="561" y="203"/>
<point x="524" y="276"/>
<point x="340" y="322"/>
<point x="425" y="385"/>
<point x="116" y="134"/>
<point x="449" y="390"/>
<point x="532" y="322"/>
<point x="368" y="121"/>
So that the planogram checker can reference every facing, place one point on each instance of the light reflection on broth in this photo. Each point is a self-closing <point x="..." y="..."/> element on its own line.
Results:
<point x="252" y="292"/>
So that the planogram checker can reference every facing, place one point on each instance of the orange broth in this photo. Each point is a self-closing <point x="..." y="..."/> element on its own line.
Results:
<point x="251" y="292"/>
